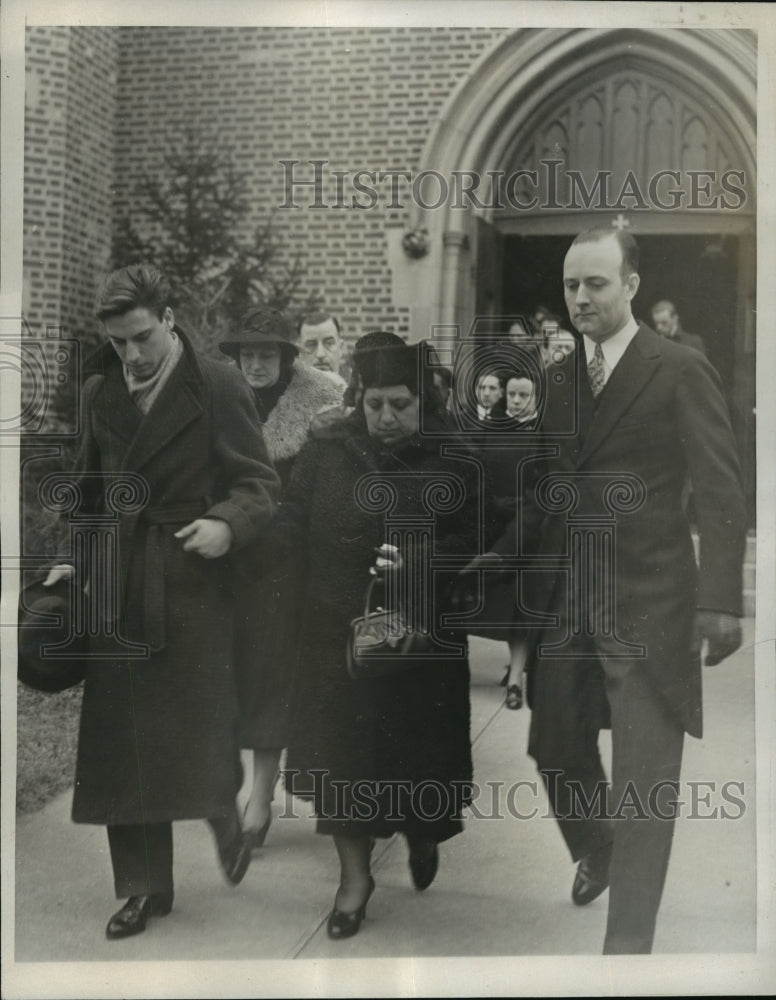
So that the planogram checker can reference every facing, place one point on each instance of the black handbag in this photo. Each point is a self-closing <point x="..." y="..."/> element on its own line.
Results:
<point x="382" y="642"/>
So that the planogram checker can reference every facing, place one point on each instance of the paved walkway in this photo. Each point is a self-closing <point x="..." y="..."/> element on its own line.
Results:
<point x="502" y="890"/>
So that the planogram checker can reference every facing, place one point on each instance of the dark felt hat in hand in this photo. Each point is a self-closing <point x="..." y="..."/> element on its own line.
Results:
<point x="45" y="621"/>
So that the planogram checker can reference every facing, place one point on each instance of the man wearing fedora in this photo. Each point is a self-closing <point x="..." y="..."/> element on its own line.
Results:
<point x="157" y="739"/>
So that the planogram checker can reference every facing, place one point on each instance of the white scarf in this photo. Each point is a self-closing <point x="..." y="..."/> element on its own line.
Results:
<point x="145" y="391"/>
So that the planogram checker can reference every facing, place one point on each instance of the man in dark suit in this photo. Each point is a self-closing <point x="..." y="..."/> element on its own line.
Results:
<point x="638" y="416"/>
<point x="666" y="322"/>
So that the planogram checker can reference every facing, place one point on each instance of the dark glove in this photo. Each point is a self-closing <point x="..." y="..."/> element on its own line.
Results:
<point x="723" y="632"/>
<point x="487" y="560"/>
<point x="465" y="592"/>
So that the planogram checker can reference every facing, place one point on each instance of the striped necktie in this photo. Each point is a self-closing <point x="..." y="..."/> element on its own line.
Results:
<point x="596" y="371"/>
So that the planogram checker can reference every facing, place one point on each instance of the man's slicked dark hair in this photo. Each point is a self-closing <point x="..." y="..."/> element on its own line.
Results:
<point x="315" y="319"/>
<point x="664" y="305"/>
<point x="628" y="246"/>
<point x="138" y="286"/>
<point x="532" y="377"/>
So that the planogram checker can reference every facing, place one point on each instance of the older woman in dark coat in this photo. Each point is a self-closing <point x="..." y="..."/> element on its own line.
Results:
<point x="288" y="394"/>
<point x="387" y="754"/>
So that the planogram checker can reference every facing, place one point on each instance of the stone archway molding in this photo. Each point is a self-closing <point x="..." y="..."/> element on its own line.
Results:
<point x="508" y="85"/>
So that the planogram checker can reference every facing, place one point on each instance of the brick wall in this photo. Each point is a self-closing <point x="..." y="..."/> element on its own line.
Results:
<point x="90" y="171"/>
<point x="69" y="162"/>
<point x="68" y="172"/>
<point x="101" y="103"/>
<point x="45" y="136"/>
<point x="358" y="98"/>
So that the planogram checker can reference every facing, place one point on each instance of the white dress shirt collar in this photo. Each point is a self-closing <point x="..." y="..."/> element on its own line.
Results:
<point x="613" y="347"/>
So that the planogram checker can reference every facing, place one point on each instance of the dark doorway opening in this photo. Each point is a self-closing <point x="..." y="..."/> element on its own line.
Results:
<point x="698" y="273"/>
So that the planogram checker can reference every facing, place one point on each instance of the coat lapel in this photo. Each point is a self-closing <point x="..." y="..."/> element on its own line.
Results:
<point x="636" y="367"/>
<point x="114" y="409"/>
<point x="178" y="405"/>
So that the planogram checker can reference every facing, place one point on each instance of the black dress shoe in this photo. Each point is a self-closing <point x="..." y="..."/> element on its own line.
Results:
<point x="344" y="925"/>
<point x="424" y="863"/>
<point x="133" y="915"/>
<point x="592" y="876"/>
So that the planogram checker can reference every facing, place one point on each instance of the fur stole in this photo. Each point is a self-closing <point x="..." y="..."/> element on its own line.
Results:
<point x="288" y="425"/>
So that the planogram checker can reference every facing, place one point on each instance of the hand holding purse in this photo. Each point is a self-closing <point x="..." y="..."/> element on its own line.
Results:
<point x="382" y="642"/>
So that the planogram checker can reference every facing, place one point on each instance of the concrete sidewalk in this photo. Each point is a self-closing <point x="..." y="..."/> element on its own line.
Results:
<point x="503" y="887"/>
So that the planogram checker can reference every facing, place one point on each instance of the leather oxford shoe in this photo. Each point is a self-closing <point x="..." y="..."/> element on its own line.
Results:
<point x="592" y="876"/>
<point x="133" y="915"/>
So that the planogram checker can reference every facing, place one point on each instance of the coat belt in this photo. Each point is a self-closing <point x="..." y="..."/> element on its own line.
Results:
<point x="154" y="589"/>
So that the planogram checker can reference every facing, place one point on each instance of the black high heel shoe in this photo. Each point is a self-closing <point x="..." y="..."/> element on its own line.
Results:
<point x="344" y="925"/>
<point x="514" y="698"/>
<point x="234" y="853"/>
<point x="424" y="863"/>
<point x="256" y="838"/>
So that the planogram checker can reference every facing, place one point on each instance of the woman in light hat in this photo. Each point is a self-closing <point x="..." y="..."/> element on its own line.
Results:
<point x="288" y="394"/>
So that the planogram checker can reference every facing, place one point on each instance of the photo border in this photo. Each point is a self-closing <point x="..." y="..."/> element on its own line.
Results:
<point x="522" y="975"/>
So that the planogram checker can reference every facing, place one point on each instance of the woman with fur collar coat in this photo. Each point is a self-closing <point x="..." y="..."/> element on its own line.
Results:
<point x="287" y="394"/>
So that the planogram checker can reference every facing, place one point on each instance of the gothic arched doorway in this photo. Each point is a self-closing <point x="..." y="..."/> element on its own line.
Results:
<point x="653" y="130"/>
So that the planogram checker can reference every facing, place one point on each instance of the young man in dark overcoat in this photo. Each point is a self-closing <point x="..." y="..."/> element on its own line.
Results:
<point x="157" y="735"/>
